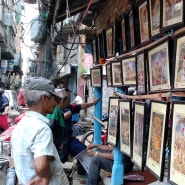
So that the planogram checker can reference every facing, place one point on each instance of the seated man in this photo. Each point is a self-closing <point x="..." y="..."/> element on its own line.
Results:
<point x="103" y="159"/>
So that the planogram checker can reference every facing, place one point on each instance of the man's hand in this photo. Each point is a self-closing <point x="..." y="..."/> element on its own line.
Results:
<point x="95" y="100"/>
<point x="39" y="181"/>
<point x="90" y="152"/>
<point x="91" y="146"/>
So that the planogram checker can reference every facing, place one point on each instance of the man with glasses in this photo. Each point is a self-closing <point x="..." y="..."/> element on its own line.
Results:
<point x="35" y="156"/>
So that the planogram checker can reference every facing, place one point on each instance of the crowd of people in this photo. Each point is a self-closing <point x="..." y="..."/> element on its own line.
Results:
<point x="46" y="136"/>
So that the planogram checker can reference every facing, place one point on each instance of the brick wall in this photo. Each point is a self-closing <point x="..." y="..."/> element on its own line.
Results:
<point x="109" y="12"/>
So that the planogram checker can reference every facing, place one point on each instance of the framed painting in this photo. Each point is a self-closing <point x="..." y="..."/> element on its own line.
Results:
<point x="131" y="29"/>
<point x="179" y="63"/>
<point x="155" y="158"/>
<point x="94" y="47"/>
<point x="113" y="121"/>
<point x="96" y="76"/>
<point x="138" y="146"/>
<point x="123" y="34"/>
<point x="177" y="154"/>
<point x="125" y="126"/>
<point x="141" y="74"/>
<point x="143" y="21"/>
<point x="154" y="17"/>
<point x="159" y="67"/>
<point x="109" y="41"/>
<point x="172" y="14"/>
<point x="109" y="75"/>
<point x="101" y="47"/>
<point x="116" y="74"/>
<point x="129" y="71"/>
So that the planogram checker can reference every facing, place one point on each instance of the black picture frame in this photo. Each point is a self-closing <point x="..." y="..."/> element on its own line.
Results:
<point x="155" y="158"/>
<point x="154" y="17"/>
<point x="131" y="28"/>
<point x="125" y="120"/>
<point x="108" y="74"/>
<point x="143" y="12"/>
<point x="101" y="46"/>
<point x="141" y="72"/>
<point x="95" y="50"/>
<point x="158" y="59"/>
<point x="172" y="16"/>
<point x="124" y="24"/>
<point x="116" y="74"/>
<point x="176" y="157"/>
<point x="128" y="66"/>
<point x="139" y="134"/>
<point x="113" y="109"/>
<point x="96" y="76"/>
<point x="178" y="82"/>
<point x="110" y="41"/>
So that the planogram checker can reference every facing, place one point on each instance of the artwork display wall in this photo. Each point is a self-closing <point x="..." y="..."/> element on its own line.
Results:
<point x="158" y="66"/>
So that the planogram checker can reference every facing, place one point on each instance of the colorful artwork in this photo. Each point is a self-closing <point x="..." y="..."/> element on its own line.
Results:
<point x="141" y="73"/>
<point x="125" y="126"/>
<point x="116" y="73"/>
<point x="177" y="157"/>
<point x="138" y="134"/>
<point x="156" y="136"/>
<point x="154" y="16"/>
<point x="159" y="66"/>
<point x="159" y="72"/>
<point x="179" y="78"/>
<point x="129" y="71"/>
<point x="138" y="147"/>
<point x="172" y="12"/>
<point x="143" y="18"/>
<point x="179" y="144"/>
<point x="109" y="42"/>
<point x="112" y="121"/>
<point x="96" y="76"/>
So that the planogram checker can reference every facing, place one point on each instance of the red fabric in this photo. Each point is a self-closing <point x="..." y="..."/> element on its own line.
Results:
<point x="6" y="135"/>
<point x="4" y="122"/>
<point x="19" y="117"/>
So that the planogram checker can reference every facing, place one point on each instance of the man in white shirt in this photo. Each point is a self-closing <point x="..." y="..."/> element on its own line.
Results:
<point x="34" y="154"/>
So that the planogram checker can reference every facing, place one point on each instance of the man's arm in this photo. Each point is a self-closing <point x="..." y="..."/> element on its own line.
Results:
<point x="87" y="105"/>
<point x="101" y="147"/>
<point x="42" y="169"/>
<point x="106" y="155"/>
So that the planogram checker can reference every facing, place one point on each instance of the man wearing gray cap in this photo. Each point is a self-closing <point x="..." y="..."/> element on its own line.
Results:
<point x="35" y="157"/>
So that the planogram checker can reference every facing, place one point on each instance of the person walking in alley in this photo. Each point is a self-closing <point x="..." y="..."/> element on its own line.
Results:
<point x="20" y="101"/>
<point x="33" y="152"/>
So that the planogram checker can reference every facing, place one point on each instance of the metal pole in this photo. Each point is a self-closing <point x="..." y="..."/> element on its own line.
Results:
<point x="97" y="114"/>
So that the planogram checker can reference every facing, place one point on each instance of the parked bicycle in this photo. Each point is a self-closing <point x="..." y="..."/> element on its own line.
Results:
<point x="88" y="137"/>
